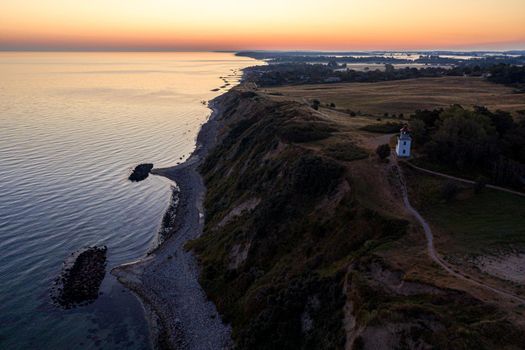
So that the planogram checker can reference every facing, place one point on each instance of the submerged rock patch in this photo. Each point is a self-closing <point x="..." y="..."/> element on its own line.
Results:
<point x="81" y="276"/>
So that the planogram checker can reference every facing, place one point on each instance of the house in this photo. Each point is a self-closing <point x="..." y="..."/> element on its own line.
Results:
<point x="404" y="141"/>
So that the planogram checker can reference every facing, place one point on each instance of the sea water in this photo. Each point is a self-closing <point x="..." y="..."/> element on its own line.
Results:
<point x="72" y="127"/>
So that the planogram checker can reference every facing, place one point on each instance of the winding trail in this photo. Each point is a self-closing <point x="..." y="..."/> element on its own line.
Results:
<point x="430" y="242"/>
<point x="498" y="188"/>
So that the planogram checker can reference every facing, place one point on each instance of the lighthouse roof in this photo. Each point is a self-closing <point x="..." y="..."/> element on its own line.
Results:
<point x="404" y="133"/>
<point x="405" y="136"/>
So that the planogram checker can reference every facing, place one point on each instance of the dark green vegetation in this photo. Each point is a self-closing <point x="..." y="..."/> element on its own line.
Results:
<point x="295" y="71"/>
<point x="383" y="151"/>
<point x="479" y="142"/>
<point x="507" y="74"/>
<point x="284" y="270"/>
<point x="476" y="223"/>
<point x="277" y="273"/>
<point x="141" y="172"/>
<point x="383" y="128"/>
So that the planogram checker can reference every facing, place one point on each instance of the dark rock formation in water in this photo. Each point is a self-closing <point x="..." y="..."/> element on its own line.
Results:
<point x="80" y="280"/>
<point x="169" y="221"/>
<point x="141" y="172"/>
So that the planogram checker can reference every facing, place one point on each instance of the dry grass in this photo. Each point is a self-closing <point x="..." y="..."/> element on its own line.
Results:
<point x="369" y="178"/>
<point x="405" y="96"/>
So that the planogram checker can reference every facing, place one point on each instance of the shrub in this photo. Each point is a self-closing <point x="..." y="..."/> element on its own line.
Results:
<point x="383" y="151"/>
<point x="385" y="128"/>
<point x="313" y="175"/>
<point x="307" y="132"/>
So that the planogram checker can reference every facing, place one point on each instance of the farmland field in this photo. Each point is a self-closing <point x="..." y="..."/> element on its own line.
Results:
<point x="405" y="96"/>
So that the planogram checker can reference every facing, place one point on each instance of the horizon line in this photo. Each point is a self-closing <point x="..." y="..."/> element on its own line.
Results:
<point x="256" y="50"/>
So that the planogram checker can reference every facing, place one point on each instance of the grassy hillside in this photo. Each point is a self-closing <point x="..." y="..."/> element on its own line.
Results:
<point x="476" y="222"/>
<point x="291" y="236"/>
<point x="483" y="233"/>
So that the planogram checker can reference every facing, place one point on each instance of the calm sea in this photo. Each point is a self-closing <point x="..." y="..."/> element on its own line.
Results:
<point x="72" y="126"/>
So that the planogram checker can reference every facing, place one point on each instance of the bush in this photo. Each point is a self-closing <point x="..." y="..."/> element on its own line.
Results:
<point x="385" y="128"/>
<point x="307" y="132"/>
<point x="383" y="151"/>
<point x="313" y="175"/>
<point x="418" y="131"/>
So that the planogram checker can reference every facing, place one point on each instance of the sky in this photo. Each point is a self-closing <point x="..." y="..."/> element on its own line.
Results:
<point x="269" y="24"/>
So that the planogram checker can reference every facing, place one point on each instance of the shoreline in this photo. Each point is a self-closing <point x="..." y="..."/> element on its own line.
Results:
<point x="167" y="279"/>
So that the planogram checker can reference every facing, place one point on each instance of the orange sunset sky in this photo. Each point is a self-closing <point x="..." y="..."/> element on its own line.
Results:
<point x="269" y="24"/>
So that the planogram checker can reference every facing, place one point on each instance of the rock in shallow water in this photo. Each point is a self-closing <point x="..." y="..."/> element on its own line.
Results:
<point x="141" y="172"/>
<point x="80" y="280"/>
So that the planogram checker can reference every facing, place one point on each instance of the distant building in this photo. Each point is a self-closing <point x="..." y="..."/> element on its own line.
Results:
<point x="404" y="142"/>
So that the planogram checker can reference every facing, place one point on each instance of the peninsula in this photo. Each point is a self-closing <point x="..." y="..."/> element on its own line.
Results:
<point x="292" y="233"/>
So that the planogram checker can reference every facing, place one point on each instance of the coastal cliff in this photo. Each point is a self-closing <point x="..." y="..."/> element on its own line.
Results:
<point x="301" y="241"/>
<point x="300" y="250"/>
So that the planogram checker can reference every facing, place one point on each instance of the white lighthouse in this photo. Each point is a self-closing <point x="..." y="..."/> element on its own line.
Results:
<point x="403" y="142"/>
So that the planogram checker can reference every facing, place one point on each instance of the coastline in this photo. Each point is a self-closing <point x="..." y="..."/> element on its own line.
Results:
<point x="167" y="279"/>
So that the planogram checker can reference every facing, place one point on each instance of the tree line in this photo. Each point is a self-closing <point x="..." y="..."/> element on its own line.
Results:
<point x="303" y="73"/>
<point x="491" y="144"/>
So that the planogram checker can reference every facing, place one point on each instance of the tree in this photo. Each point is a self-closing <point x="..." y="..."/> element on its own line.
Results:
<point x="418" y="131"/>
<point x="503" y="122"/>
<point x="383" y="151"/>
<point x="316" y="104"/>
<point x="332" y="64"/>
<point x="463" y="137"/>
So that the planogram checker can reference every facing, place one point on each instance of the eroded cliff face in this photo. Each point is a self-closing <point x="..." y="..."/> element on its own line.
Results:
<point x="289" y="250"/>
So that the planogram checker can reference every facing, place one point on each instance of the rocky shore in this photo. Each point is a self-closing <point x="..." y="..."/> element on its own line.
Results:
<point x="166" y="280"/>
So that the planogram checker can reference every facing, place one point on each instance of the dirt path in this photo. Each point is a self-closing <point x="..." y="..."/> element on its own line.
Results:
<point x="430" y="242"/>
<point x="462" y="180"/>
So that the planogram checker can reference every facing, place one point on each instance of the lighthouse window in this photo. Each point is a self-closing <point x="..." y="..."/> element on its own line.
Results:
<point x="404" y="143"/>
<point x="404" y="151"/>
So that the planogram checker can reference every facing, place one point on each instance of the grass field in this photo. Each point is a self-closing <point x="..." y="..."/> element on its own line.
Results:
<point x="471" y="223"/>
<point x="405" y="96"/>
